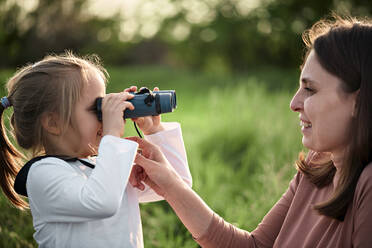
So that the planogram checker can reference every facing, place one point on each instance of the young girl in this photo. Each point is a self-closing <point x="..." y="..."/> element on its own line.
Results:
<point x="78" y="199"/>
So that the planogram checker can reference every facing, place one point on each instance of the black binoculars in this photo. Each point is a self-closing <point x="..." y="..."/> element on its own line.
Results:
<point x="146" y="103"/>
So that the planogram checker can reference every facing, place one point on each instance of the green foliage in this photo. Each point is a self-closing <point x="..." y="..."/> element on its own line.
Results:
<point x="241" y="139"/>
<point x="215" y="36"/>
<point x="249" y="33"/>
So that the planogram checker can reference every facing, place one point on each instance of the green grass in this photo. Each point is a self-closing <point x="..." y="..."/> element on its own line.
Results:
<point x="241" y="140"/>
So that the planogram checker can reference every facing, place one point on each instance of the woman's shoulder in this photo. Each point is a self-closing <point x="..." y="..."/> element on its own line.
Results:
<point x="364" y="186"/>
<point x="366" y="175"/>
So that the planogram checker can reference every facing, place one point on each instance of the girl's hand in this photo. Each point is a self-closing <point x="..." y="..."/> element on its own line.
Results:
<point x="158" y="173"/>
<point x="137" y="176"/>
<point x="149" y="124"/>
<point x="113" y="106"/>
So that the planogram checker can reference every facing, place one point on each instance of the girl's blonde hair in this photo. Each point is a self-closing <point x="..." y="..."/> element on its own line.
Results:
<point x="53" y="84"/>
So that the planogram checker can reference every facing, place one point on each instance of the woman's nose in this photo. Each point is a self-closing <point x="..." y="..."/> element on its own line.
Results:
<point x="296" y="103"/>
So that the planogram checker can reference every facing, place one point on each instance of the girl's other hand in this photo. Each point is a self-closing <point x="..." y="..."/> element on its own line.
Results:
<point x="149" y="124"/>
<point x="113" y="106"/>
<point x="137" y="176"/>
<point x="159" y="174"/>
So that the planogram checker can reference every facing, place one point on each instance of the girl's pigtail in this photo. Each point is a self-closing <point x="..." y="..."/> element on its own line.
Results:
<point x="10" y="159"/>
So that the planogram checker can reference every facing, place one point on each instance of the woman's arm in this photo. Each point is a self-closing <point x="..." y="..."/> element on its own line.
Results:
<point x="190" y="208"/>
<point x="206" y="227"/>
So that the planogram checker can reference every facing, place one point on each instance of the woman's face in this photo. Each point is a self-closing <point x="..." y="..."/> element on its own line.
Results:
<point x="325" y="110"/>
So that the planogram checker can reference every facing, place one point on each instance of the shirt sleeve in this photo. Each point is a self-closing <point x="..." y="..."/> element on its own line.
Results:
<point x="171" y="144"/>
<point x="363" y="210"/>
<point x="221" y="234"/>
<point x="58" y="193"/>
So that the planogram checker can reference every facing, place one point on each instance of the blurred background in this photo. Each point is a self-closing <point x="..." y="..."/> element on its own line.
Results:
<point x="234" y="65"/>
<point x="209" y="35"/>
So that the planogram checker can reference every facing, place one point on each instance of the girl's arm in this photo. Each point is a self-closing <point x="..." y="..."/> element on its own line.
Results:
<point x="59" y="193"/>
<point x="171" y="144"/>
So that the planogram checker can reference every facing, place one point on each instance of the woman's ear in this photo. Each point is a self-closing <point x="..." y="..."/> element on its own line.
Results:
<point x="355" y="101"/>
<point x="51" y="123"/>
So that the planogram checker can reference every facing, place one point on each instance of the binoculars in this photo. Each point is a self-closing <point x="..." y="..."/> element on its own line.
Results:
<point x="146" y="103"/>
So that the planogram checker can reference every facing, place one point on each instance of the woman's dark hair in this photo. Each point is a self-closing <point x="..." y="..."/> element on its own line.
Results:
<point x="343" y="46"/>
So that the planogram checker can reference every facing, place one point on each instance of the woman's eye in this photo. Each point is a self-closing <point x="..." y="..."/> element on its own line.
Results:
<point x="310" y="90"/>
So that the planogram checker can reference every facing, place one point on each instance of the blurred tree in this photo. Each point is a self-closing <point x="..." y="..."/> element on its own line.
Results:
<point x="242" y="34"/>
<point x="52" y="27"/>
<point x="212" y="35"/>
<point x="9" y="33"/>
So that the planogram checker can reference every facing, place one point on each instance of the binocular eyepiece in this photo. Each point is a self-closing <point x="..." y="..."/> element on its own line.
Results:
<point x="146" y="103"/>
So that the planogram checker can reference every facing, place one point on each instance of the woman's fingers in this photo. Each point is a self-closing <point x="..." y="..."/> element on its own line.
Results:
<point x="142" y="143"/>
<point x="154" y="186"/>
<point x="158" y="174"/>
<point x="149" y="150"/>
<point x="136" y="139"/>
<point x="146" y="163"/>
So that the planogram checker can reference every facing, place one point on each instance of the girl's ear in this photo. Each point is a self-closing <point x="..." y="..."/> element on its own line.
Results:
<point x="51" y="123"/>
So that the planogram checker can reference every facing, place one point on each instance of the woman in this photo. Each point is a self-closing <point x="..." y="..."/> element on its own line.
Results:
<point x="329" y="201"/>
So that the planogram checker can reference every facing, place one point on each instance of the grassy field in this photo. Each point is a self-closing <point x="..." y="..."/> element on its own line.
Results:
<point x="241" y="140"/>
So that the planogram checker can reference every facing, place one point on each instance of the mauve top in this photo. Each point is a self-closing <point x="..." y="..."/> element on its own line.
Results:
<point x="292" y="222"/>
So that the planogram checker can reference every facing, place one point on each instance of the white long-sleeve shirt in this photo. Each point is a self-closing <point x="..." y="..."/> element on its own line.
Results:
<point x="73" y="205"/>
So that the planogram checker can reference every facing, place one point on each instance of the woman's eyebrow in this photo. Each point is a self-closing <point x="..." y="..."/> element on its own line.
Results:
<point x="306" y="80"/>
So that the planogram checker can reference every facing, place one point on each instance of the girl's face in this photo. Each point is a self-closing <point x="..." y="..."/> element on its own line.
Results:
<point x="325" y="110"/>
<point x="85" y="133"/>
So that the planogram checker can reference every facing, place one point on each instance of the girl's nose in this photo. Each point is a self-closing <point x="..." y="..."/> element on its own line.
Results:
<point x="296" y="104"/>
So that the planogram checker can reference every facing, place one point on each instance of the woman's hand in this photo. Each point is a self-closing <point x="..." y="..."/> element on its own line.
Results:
<point x="113" y="106"/>
<point x="163" y="179"/>
<point x="149" y="124"/>
<point x="157" y="172"/>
